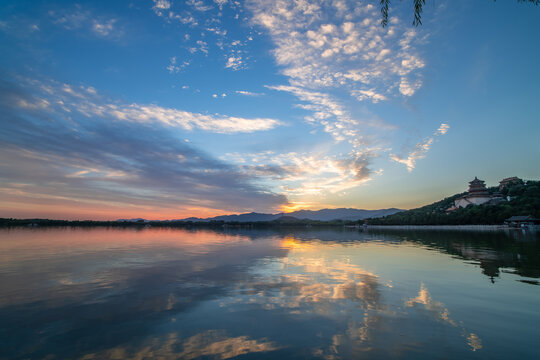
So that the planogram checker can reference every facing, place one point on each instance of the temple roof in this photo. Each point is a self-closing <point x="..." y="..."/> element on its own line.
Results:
<point x="477" y="181"/>
<point x="477" y="188"/>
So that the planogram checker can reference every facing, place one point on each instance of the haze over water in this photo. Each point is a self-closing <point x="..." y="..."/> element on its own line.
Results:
<point x="267" y="294"/>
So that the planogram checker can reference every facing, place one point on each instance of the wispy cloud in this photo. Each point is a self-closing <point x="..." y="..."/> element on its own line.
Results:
<point x="326" y="111"/>
<point x="175" y="67"/>
<point x="81" y="18"/>
<point x="248" y="93"/>
<point x="420" y="150"/>
<point x="104" y="28"/>
<point x="199" y="5"/>
<point x="86" y="102"/>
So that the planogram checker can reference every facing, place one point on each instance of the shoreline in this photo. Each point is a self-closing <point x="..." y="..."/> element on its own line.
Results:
<point x="448" y="227"/>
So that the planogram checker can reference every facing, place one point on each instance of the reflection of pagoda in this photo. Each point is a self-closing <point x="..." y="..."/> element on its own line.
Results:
<point x="478" y="194"/>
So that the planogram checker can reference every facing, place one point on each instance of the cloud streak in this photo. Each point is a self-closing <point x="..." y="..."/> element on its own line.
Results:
<point x="68" y="151"/>
<point x="420" y="150"/>
<point x="78" y="17"/>
<point x="86" y="101"/>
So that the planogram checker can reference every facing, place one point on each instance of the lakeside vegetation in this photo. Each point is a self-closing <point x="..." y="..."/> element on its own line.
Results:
<point x="524" y="200"/>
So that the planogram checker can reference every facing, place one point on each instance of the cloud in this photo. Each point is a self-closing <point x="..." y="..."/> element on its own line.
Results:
<point x="303" y="174"/>
<point x="199" y="5"/>
<point x="220" y="3"/>
<point x="104" y="28"/>
<point x="442" y="129"/>
<point x="334" y="116"/>
<point x="327" y="49"/>
<point x="234" y="63"/>
<point x="161" y="5"/>
<point x="203" y="46"/>
<point x="78" y="17"/>
<point x="174" y="67"/>
<point x="78" y="152"/>
<point x="326" y="111"/>
<point x="339" y="44"/>
<point x="368" y="94"/>
<point x="248" y="93"/>
<point x="211" y="34"/>
<point x="85" y="101"/>
<point x="420" y="150"/>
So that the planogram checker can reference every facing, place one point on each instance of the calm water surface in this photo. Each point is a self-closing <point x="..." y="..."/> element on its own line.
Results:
<point x="279" y="294"/>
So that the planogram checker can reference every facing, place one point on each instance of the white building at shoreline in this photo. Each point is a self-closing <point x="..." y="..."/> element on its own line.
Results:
<point x="478" y="195"/>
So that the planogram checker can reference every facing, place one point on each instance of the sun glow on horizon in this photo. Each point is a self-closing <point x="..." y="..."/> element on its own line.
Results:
<point x="291" y="207"/>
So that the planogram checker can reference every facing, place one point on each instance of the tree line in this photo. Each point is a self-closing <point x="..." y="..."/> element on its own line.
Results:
<point x="524" y="200"/>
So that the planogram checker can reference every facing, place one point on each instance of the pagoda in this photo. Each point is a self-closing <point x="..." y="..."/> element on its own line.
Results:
<point x="477" y="188"/>
<point x="478" y="195"/>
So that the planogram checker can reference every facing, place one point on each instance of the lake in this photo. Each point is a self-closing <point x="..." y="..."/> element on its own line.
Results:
<point x="100" y="293"/>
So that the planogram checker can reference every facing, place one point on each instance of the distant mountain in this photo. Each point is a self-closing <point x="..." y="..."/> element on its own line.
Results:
<point x="342" y="214"/>
<point x="320" y="215"/>
<point x="237" y="217"/>
<point x="138" y="220"/>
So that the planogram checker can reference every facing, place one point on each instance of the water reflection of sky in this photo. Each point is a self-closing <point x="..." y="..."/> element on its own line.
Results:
<point x="108" y="293"/>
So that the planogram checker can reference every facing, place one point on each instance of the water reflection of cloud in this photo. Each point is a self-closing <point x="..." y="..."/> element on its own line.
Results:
<point x="94" y="290"/>
<point x="313" y="284"/>
<point x="70" y="264"/>
<point x="474" y="342"/>
<point x="211" y="343"/>
<point x="316" y="279"/>
<point x="167" y="298"/>
<point x="439" y="311"/>
<point x="352" y="342"/>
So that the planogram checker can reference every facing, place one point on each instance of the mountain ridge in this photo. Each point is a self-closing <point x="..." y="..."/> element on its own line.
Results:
<point x="317" y="215"/>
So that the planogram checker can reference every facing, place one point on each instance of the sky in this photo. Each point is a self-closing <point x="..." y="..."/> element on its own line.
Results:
<point x="165" y="109"/>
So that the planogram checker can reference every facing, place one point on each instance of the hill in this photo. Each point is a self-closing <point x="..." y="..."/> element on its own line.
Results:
<point x="524" y="200"/>
<point x="318" y="215"/>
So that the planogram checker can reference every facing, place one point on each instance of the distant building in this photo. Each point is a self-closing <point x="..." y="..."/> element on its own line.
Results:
<point x="450" y="209"/>
<point x="505" y="182"/>
<point x="478" y="194"/>
<point x="522" y="221"/>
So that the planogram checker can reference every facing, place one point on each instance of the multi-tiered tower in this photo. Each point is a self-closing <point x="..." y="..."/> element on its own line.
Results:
<point x="478" y="194"/>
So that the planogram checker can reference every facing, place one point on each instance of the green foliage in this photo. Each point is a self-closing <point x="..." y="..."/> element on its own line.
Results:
<point x="525" y="200"/>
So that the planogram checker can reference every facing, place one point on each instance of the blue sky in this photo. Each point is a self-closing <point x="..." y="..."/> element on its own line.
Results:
<point x="166" y="109"/>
